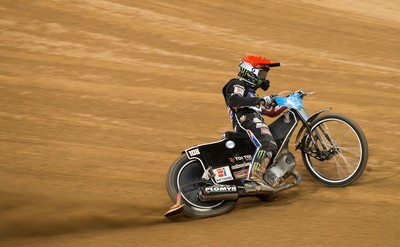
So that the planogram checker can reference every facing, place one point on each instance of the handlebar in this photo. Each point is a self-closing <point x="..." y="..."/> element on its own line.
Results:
<point x="301" y="92"/>
<point x="292" y="100"/>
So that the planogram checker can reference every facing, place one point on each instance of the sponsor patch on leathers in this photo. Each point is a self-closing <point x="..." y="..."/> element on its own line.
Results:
<point x="237" y="89"/>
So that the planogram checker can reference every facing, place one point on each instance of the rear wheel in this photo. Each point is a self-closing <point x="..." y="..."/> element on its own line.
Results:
<point x="183" y="172"/>
<point x="336" y="151"/>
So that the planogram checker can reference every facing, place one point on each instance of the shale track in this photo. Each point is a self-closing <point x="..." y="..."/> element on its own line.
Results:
<point x="98" y="97"/>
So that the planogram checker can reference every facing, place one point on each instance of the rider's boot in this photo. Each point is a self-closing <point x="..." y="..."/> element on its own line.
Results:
<point x="255" y="182"/>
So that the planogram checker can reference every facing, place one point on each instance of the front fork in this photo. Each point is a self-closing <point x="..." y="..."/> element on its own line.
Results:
<point x="323" y="146"/>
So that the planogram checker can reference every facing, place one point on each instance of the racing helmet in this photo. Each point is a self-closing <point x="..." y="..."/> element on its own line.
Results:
<point x="254" y="70"/>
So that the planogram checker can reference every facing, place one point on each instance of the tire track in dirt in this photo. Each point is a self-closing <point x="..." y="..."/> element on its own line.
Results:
<point x="33" y="217"/>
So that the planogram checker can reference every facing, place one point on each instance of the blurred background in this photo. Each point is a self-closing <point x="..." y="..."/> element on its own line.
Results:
<point x="99" y="97"/>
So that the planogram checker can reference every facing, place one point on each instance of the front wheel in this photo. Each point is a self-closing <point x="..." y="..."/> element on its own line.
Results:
<point x="182" y="175"/>
<point x="336" y="152"/>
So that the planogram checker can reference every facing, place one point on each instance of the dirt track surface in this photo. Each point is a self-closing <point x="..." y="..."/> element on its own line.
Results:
<point x="99" y="97"/>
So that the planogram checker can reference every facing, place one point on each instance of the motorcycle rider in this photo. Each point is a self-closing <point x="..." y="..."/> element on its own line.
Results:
<point x="246" y="108"/>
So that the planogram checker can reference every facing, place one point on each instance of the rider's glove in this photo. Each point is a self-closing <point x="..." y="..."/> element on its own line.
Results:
<point x="266" y="100"/>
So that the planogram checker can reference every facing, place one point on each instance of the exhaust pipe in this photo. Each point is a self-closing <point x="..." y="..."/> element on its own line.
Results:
<point x="221" y="197"/>
<point x="219" y="193"/>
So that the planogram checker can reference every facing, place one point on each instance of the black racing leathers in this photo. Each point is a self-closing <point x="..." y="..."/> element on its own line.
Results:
<point x="246" y="115"/>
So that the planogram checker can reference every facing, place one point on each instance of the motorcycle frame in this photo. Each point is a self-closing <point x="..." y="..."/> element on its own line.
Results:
<point x="198" y="152"/>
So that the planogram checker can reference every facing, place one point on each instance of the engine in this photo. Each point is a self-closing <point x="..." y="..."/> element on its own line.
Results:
<point x="275" y="173"/>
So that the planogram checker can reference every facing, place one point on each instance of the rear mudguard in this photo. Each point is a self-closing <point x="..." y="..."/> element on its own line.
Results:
<point x="302" y="130"/>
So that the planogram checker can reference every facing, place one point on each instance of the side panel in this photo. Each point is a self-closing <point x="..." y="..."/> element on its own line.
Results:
<point x="230" y="162"/>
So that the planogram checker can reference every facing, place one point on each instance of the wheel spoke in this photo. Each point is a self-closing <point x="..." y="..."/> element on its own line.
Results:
<point x="349" y="149"/>
<point x="340" y="171"/>
<point x="340" y="168"/>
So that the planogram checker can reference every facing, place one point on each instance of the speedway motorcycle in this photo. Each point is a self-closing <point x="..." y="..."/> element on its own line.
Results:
<point x="208" y="179"/>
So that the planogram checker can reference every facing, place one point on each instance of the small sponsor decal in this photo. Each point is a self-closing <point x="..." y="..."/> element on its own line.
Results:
<point x="257" y="120"/>
<point x="241" y="174"/>
<point x="242" y="118"/>
<point x="246" y="157"/>
<point x="261" y="154"/>
<point x="237" y="89"/>
<point x="222" y="174"/>
<point x="241" y="165"/>
<point x="261" y="125"/>
<point x="221" y="188"/>
<point x="194" y="152"/>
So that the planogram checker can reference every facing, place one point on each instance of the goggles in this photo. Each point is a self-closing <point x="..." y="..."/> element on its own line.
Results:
<point x="261" y="73"/>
